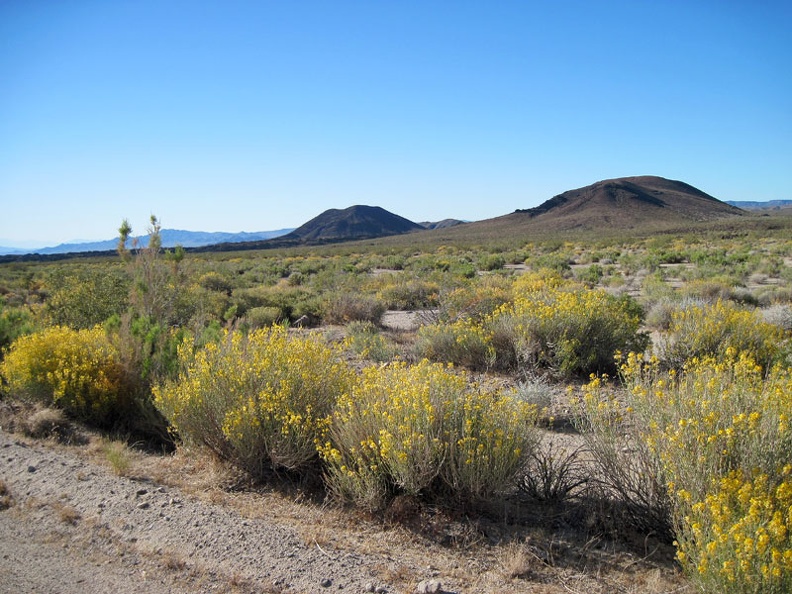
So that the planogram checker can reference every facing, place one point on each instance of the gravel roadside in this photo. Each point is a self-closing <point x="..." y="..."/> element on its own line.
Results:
<point x="73" y="526"/>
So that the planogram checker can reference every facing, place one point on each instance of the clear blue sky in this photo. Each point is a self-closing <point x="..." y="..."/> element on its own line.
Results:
<point x="247" y="116"/>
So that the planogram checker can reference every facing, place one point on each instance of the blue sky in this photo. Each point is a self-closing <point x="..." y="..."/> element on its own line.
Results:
<point x="247" y="116"/>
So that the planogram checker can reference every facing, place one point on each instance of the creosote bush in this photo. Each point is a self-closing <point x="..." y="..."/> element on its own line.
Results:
<point x="262" y="401"/>
<point x="424" y="431"/>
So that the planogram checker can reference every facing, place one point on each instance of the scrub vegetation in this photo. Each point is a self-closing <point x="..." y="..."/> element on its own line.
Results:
<point x="624" y="385"/>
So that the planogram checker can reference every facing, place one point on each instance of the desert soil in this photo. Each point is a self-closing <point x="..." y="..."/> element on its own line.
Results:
<point x="74" y="527"/>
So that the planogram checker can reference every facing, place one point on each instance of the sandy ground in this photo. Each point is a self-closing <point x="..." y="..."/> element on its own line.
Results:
<point x="75" y="527"/>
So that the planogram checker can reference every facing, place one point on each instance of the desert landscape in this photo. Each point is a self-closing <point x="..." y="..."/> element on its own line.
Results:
<point x="553" y="400"/>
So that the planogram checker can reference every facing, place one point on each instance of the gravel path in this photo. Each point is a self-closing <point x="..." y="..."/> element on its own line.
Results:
<point x="74" y="527"/>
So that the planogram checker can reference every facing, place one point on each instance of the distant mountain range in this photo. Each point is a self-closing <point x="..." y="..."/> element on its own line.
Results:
<point x="755" y="205"/>
<point x="170" y="238"/>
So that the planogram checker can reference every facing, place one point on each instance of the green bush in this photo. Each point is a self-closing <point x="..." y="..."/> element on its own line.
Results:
<point x="262" y="317"/>
<point x="342" y="308"/>
<point x="463" y="342"/>
<point x="85" y="297"/>
<point x="14" y="322"/>
<point x="365" y="339"/>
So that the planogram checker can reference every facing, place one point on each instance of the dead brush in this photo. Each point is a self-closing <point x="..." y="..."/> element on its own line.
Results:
<point x="67" y="514"/>
<point x="173" y="561"/>
<point x="49" y="423"/>
<point x="6" y="500"/>
<point x="554" y="475"/>
<point x="517" y="561"/>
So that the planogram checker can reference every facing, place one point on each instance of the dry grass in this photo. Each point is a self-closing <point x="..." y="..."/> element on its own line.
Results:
<point x="67" y="514"/>
<point x="117" y="454"/>
<point x="6" y="500"/>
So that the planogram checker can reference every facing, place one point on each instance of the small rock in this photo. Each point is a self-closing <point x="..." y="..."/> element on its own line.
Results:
<point x="140" y="492"/>
<point x="369" y="587"/>
<point x="381" y="590"/>
<point x="326" y="583"/>
<point x="144" y="505"/>
<point x="429" y="587"/>
<point x="31" y="468"/>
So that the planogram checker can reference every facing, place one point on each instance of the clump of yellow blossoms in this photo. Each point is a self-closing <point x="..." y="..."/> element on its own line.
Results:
<point x="79" y="371"/>
<point x="720" y="429"/>
<point x="713" y="330"/>
<point x="262" y="401"/>
<point x="549" y="323"/>
<point x="418" y="429"/>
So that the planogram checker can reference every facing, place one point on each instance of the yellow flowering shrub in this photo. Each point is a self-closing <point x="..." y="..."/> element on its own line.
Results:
<point x="572" y="330"/>
<point x="422" y="430"/>
<point x="475" y="300"/>
<point x="464" y="342"/>
<point x="720" y="430"/>
<point x="262" y="401"/>
<point x="79" y="371"/>
<point x="702" y="329"/>
<point x="550" y="323"/>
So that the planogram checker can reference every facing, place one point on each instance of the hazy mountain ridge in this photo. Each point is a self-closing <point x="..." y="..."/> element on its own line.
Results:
<point x="170" y="238"/>
<point x="760" y="205"/>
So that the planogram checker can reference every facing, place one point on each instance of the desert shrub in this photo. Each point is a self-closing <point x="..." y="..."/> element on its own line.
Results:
<point x="550" y="324"/>
<point x="553" y="261"/>
<point x="717" y="288"/>
<point x="365" y="339"/>
<point x="720" y="430"/>
<point x="261" y="317"/>
<point x="85" y="297"/>
<point x="660" y="315"/>
<point x="475" y="300"/>
<point x="214" y="281"/>
<point x="536" y="391"/>
<point x="590" y="275"/>
<point x="489" y="262"/>
<point x="292" y="301"/>
<point x="341" y="308"/>
<point x="14" y="322"/>
<point x="79" y="371"/>
<point x="780" y="315"/>
<point x="261" y="401"/>
<point x="554" y="475"/>
<point x="699" y="330"/>
<point x="423" y="431"/>
<point x="572" y="331"/>
<point x="409" y="294"/>
<point x="627" y="468"/>
<point x="463" y="342"/>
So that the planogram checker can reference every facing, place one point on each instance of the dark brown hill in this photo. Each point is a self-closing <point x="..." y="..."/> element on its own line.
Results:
<point x="629" y="203"/>
<point x="355" y="222"/>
